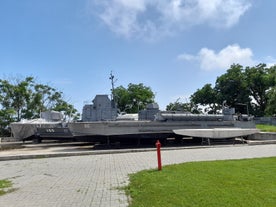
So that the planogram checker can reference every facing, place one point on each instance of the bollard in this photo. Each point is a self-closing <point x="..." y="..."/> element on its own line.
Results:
<point x="158" y="148"/>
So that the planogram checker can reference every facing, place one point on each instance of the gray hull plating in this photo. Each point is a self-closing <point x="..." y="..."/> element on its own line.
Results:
<point x="116" y="128"/>
<point x="216" y="133"/>
<point x="151" y="121"/>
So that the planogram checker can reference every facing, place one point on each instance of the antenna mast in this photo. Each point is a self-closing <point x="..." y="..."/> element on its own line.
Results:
<point x="113" y="97"/>
<point x="174" y="104"/>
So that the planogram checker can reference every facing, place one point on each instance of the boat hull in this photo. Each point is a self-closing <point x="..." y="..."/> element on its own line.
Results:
<point x="22" y="131"/>
<point x="216" y="133"/>
<point x="117" y="128"/>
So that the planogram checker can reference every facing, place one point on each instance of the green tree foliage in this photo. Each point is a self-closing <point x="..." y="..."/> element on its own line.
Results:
<point x="271" y="105"/>
<point x="15" y="96"/>
<point x="207" y="97"/>
<point x="23" y="98"/>
<point x="133" y="98"/>
<point x="67" y="109"/>
<point x="187" y="107"/>
<point x="232" y="87"/>
<point x="253" y="87"/>
<point x="259" y="81"/>
<point x="271" y="94"/>
<point x="6" y="117"/>
<point x="121" y="97"/>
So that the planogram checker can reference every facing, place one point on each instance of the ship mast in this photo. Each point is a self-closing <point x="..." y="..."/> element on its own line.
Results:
<point x="113" y="97"/>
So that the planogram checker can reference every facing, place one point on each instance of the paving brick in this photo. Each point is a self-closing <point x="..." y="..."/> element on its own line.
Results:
<point x="93" y="180"/>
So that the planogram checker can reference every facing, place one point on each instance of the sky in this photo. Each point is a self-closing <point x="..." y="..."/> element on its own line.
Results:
<point x="172" y="46"/>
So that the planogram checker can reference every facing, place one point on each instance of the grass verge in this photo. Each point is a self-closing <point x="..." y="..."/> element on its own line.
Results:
<point x="250" y="182"/>
<point x="4" y="185"/>
<point x="266" y="128"/>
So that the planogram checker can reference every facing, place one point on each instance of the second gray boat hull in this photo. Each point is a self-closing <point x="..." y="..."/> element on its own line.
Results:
<point x="216" y="133"/>
<point x="117" y="128"/>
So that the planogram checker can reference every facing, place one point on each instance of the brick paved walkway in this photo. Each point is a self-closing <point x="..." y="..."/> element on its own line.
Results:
<point x="93" y="180"/>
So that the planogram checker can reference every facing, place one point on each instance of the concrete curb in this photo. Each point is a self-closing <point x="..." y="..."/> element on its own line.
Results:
<point x="65" y="154"/>
<point x="260" y="142"/>
<point x="101" y="152"/>
<point x="118" y="151"/>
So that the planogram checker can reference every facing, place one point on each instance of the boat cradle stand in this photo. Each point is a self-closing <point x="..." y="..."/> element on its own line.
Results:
<point x="207" y="141"/>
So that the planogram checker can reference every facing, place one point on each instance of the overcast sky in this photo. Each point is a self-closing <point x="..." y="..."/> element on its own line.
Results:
<point x="173" y="46"/>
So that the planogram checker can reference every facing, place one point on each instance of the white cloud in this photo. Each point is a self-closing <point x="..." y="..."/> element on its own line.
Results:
<point x="222" y="13"/>
<point x="210" y="60"/>
<point x="187" y="57"/>
<point x="138" y="5"/>
<point x="151" y="19"/>
<point x="270" y="61"/>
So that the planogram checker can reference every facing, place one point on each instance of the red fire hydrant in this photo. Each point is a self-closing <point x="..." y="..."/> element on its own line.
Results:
<point x="158" y="148"/>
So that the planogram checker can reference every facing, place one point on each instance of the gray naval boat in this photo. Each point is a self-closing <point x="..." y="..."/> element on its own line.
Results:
<point x="100" y="120"/>
<point x="50" y="124"/>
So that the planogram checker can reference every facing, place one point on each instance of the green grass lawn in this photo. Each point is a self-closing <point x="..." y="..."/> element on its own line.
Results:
<point x="250" y="182"/>
<point x="266" y="128"/>
<point x="4" y="184"/>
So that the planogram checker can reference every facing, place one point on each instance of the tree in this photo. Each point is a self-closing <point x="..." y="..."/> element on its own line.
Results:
<point x="27" y="99"/>
<point x="133" y="98"/>
<point x="251" y="88"/>
<point x="16" y="96"/>
<point x="42" y="98"/>
<point x="271" y="104"/>
<point x="68" y="109"/>
<point x="232" y="87"/>
<point x="259" y="81"/>
<point x="121" y="96"/>
<point x="187" y="107"/>
<point x="6" y="117"/>
<point x="271" y="94"/>
<point x="207" y="97"/>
